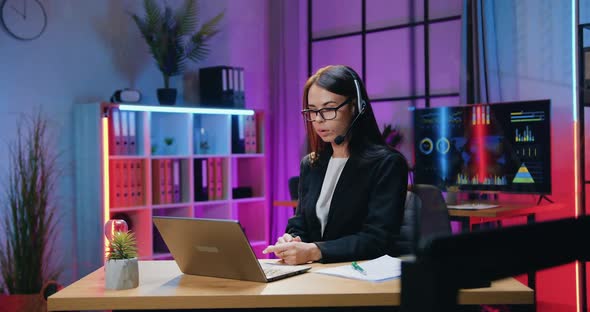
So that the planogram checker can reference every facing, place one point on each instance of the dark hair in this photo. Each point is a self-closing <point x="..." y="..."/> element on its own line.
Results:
<point x="339" y="79"/>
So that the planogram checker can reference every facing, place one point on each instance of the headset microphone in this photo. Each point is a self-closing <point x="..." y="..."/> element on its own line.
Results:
<point x="361" y="108"/>
<point x="339" y="139"/>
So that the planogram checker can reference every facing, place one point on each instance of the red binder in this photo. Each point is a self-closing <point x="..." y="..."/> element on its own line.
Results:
<point x="219" y="178"/>
<point x="211" y="176"/>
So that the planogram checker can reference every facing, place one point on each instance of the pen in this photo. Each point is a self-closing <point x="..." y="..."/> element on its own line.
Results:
<point x="357" y="267"/>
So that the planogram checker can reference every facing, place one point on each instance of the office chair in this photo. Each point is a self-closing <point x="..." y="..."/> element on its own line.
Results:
<point x="444" y="264"/>
<point x="425" y="216"/>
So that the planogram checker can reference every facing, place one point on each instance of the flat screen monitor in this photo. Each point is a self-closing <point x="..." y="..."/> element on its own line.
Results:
<point x="504" y="147"/>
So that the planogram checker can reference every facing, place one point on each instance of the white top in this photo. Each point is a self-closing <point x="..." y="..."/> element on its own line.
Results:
<point x="322" y="206"/>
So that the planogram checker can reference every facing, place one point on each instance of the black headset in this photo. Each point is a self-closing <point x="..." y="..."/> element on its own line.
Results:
<point x="360" y="102"/>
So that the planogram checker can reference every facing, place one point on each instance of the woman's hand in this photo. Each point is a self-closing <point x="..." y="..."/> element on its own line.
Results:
<point x="295" y="252"/>
<point x="287" y="238"/>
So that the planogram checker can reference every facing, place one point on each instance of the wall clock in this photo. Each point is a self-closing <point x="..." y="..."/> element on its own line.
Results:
<point x="23" y="19"/>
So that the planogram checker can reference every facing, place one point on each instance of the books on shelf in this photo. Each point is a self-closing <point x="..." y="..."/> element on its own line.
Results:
<point x="166" y="181"/>
<point x="126" y="183"/>
<point x="244" y="135"/>
<point x="122" y="132"/>
<point x="222" y="86"/>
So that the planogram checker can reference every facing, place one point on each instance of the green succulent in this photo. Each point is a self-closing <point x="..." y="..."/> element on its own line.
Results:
<point x="122" y="245"/>
<point x="172" y="38"/>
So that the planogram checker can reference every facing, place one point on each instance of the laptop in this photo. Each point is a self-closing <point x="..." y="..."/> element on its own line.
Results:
<point x="218" y="248"/>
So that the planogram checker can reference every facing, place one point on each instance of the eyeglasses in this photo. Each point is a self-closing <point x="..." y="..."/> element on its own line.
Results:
<point x="327" y="113"/>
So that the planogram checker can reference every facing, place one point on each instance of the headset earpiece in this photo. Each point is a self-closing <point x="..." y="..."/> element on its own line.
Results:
<point x="361" y="104"/>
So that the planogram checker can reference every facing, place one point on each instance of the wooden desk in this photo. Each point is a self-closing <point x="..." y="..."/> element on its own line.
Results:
<point x="470" y="217"/>
<point x="506" y="210"/>
<point x="163" y="286"/>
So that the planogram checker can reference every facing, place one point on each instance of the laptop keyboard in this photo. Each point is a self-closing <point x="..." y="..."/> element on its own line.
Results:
<point x="277" y="270"/>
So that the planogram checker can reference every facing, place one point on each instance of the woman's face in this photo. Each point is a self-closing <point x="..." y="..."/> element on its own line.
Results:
<point x="319" y="98"/>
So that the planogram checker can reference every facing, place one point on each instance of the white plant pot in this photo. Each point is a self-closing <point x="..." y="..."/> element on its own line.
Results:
<point x="121" y="274"/>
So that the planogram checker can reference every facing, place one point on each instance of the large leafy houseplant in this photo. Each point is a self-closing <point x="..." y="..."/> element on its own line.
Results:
<point x="28" y="211"/>
<point x="172" y="35"/>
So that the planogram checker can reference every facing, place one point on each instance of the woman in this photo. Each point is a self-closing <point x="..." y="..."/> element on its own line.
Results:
<point x="352" y="187"/>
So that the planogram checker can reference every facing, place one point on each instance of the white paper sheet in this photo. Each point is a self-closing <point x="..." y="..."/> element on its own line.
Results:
<point x="382" y="268"/>
<point x="473" y="206"/>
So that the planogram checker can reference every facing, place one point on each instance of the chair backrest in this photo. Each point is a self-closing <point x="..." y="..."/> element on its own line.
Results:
<point x="294" y="187"/>
<point x="425" y="216"/>
<point x="444" y="264"/>
<point x="409" y="230"/>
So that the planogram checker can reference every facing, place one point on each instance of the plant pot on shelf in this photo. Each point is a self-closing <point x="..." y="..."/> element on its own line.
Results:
<point x="121" y="274"/>
<point x="167" y="96"/>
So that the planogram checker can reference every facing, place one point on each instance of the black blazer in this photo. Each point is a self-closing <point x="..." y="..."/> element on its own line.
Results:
<point x="366" y="211"/>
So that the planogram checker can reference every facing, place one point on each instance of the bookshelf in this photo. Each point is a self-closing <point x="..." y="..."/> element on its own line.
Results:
<point x="166" y="161"/>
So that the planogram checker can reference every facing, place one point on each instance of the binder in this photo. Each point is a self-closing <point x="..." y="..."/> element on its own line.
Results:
<point x="211" y="179"/>
<point x="201" y="179"/>
<point x="248" y="135"/>
<point x="176" y="196"/>
<point x="237" y="92"/>
<point x="251" y="134"/>
<point x="132" y="150"/>
<point x="162" y="181"/>
<point x="132" y="199"/>
<point x="124" y="121"/>
<point x="124" y="177"/>
<point x="113" y="196"/>
<point x="241" y="90"/>
<point x="156" y="185"/>
<point x="224" y="84"/>
<point x="169" y="185"/>
<point x="111" y="131"/>
<point x="116" y="126"/>
<point x="238" y="139"/>
<point x="236" y="83"/>
<point x="219" y="178"/>
<point x="230" y="79"/>
<point x="117" y="179"/>
<point x="139" y="183"/>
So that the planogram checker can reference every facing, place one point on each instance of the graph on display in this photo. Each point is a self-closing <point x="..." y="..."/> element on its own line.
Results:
<point x="523" y="175"/>
<point x="525" y="135"/>
<point x="498" y="147"/>
<point x="491" y="180"/>
<point x="527" y="116"/>
<point x="527" y="151"/>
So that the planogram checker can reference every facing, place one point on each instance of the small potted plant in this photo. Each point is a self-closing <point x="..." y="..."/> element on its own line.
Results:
<point x="173" y="41"/>
<point x="169" y="145"/>
<point x="121" y="268"/>
<point x="452" y="191"/>
<point x="392" y="135"/>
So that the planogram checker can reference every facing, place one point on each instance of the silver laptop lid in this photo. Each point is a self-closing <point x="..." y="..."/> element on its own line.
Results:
<point x="210" y="247"/>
